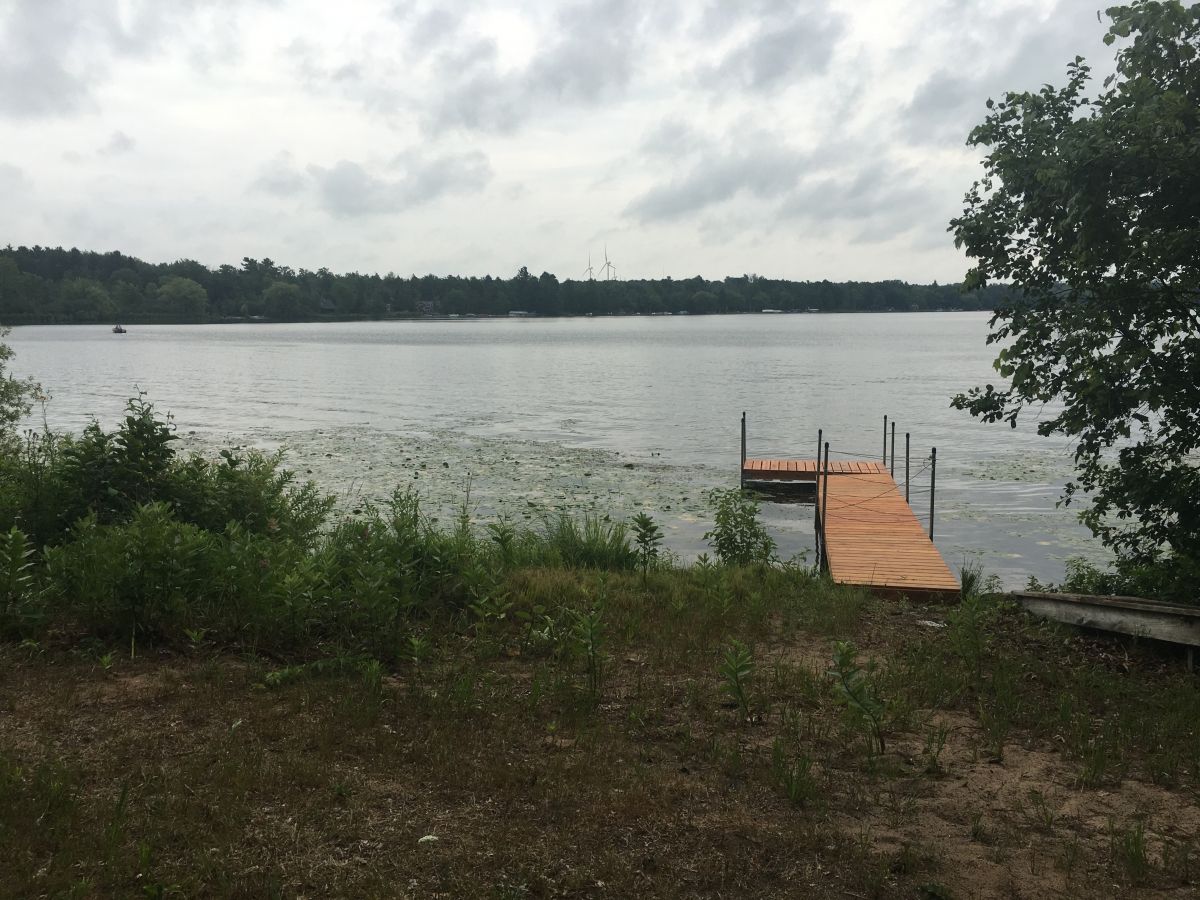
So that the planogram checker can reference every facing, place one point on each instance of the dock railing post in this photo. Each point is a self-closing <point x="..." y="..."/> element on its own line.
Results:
<point x="893" y="450"/>
<point x="932" y="488"/>
<point x="824" y="501"/>
<point x="885" y="440"/>
<point x="817" y="497"/>
<point x="906" y="467"/>
<point x="742" y="467"/>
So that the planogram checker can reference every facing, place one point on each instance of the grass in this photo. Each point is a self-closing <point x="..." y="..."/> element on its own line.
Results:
<point x="582" y="744"/>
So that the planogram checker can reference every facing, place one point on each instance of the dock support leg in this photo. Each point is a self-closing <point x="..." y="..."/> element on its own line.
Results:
<point x="893" y="472"/>
<point x="817" y="499"/>
<point x="742" y="467"/>
<point x="824" y="500"/>
<point x="932" y="489"/>
<point x="906" y="455"/>
<point x="885" y="440"/>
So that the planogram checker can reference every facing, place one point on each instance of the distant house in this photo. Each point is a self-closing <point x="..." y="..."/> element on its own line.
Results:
<point x="327" y="306"/>
<point x="520" y="314"/>
<point x="425" y="307"/>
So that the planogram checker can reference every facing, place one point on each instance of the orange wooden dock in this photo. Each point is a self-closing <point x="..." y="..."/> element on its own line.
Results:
<point x="802" y="469"/>
<point x="871" y="537"/>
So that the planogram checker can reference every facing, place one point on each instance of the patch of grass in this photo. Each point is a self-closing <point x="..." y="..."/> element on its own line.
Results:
<point x="1127" y="849"/>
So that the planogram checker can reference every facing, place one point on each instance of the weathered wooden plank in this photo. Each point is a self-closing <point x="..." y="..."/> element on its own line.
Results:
<point x="1126" y="615"/>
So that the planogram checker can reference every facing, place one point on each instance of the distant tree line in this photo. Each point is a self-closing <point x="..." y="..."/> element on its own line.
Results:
<point x="54" y="285"/>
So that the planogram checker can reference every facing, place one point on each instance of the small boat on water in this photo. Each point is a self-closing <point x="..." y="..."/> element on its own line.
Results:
<point x="117" y="329"/>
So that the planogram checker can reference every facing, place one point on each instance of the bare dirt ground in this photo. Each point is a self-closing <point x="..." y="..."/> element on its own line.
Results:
<point x="497" y="774"/>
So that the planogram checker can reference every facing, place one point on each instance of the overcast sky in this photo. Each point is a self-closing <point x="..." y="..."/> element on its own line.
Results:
<point x="804" y="140"/>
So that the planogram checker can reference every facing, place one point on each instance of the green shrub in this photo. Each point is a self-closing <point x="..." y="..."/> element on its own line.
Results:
<point x="249" y="488"/>
<point x="737" y="537"/>
<point x="50" y="482"/>
<point x="648" y="536"/>
<point x="135" y="580"/>
<point x="111" y="474"/>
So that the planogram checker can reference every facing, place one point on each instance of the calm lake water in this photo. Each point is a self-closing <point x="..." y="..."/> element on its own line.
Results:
<point x="606" y="414"/>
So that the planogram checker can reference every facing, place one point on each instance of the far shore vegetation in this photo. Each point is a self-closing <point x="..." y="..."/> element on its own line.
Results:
<point x="43" y="285"/>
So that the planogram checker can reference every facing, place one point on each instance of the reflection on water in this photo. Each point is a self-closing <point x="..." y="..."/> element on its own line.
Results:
<point x="612" y="414"/>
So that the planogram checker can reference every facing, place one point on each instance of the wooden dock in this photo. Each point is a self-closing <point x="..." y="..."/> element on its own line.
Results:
<point x="872" y="539"/>
<point x="867" y="534"/>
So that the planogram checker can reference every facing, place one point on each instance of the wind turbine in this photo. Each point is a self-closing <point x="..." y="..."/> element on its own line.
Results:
<point x="608" y="268"/>
<point x="589" y="271"/>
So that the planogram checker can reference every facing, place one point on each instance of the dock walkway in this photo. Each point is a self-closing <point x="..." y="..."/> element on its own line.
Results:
<point x="871" y="537"/>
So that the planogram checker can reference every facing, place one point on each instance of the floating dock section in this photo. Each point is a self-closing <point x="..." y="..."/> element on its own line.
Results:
<point x="867" y="533"/>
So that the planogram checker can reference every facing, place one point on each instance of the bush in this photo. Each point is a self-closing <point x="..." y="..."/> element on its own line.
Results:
<point x="136" y="579"/>
<point x="250" y="489"/>
<point x="51" y="482"/>
<point x="737" y="537"/>
<point x="111" y="474"/>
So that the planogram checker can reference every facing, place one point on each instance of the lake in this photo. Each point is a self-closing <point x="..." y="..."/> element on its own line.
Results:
<point x="611" y="415"/>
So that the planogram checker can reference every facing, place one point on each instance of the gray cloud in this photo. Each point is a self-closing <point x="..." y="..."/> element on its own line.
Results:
<point x="348" y="190"/>
<point x="13" y="181"/>
<point x="778" y="53"/>
<point x="879" y="201"/>
<point x="855" y="186"/>
<point x="590" y="53"/>
<point x="54" y="53"/>
<point x="280" y="177"/>
<point x="759" y="165"/>
<point x="1035" y="51"/>
<point x="373" y="83"/>
<point x="673" y="139"/>
<point x="118" y="144"/>
<point x="35" y="40"/>
<point x="433" y="28"/>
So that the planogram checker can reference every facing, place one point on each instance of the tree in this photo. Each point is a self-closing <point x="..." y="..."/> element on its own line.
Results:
<point x="183" y="297"/>
<point x="1090" y="206"/>
<point x="16" y="394"/>
<point x="282" y="301"/>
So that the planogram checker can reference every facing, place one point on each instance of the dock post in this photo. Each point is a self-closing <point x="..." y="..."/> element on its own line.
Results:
<point x="885" y="440"/>
<point x="824" y="500"/>
<point x="893" y="473"/>
<point x="817" y="497"/>
<point x="932" y="488"/>
<point x="906" y="467"/>
<point x="742" y="467"/>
